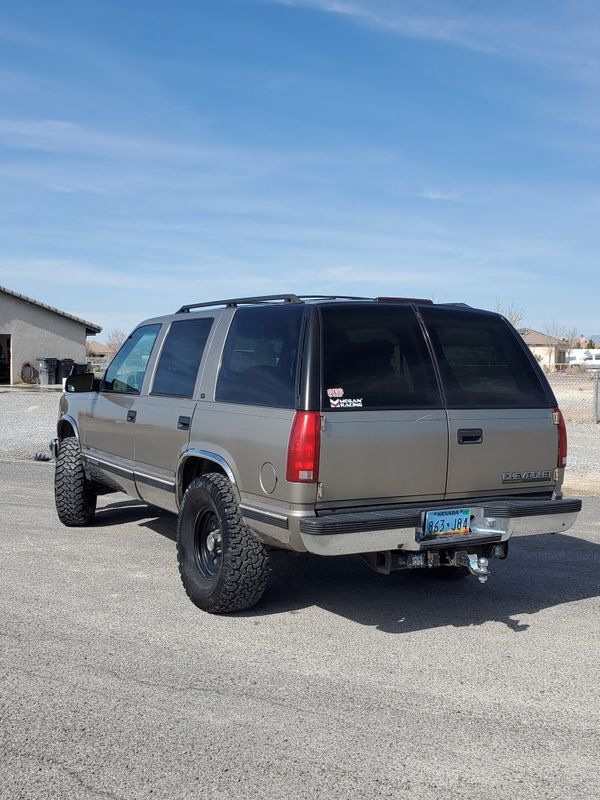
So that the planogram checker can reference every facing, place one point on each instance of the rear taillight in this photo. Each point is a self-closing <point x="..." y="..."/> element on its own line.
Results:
<point x="559" y="420"/>
<point x="303" y="448"/>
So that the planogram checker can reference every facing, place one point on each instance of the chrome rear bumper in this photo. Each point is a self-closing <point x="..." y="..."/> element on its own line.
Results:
<point x="400" y="529"/>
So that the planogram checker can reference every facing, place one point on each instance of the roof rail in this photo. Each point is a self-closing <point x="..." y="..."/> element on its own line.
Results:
<point x="331" y="297"/>
<point x="238" y="301"/>
<point x="417" y="300"/>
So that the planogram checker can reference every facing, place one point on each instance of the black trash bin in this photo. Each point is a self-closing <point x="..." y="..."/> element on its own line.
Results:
<point x="64" y="369"/>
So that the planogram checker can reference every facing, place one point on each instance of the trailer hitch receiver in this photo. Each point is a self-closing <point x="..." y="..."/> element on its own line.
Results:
<point x="477" y="565"/>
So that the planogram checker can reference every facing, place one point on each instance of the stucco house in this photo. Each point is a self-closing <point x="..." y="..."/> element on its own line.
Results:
<point x="30" y="329"/>
<point x="550" y="351"/>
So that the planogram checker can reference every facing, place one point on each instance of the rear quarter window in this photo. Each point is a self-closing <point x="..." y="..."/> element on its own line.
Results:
<point x="260" y="357"/>
<point x="482" y="363"/>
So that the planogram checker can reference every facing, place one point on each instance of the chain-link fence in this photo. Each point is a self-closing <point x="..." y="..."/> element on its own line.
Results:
<point x="578" y="393"/>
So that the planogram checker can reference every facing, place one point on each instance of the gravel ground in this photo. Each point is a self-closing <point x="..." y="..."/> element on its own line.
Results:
<point x="340" y="684"/>
<point x="29" y="418"/>
<point x="28" y="421"/>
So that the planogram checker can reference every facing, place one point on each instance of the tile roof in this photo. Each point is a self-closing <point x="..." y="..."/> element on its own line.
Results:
<point x="539" y="339"/>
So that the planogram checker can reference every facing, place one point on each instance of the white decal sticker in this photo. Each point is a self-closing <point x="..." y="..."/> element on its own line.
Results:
<point x="339" y="392"/>
<point x="347" y="402"/>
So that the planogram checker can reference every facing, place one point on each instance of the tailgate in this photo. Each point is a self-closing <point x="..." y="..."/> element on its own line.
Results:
<point x="387" y="456"/>
<point x="385" y="437"/>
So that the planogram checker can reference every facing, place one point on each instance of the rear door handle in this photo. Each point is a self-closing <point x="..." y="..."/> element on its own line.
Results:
<point x="183" y="423"/>
<point x="131" y="415"/>
<point x="470" y="436"/>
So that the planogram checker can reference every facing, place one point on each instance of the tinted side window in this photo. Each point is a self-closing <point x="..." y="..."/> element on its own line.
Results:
<point x="181" y="356"/>
<point x="260" y="358"/>
<point x="375" y="357"/>
<point x="481" y="361"/>
<point x="126" y="371"/>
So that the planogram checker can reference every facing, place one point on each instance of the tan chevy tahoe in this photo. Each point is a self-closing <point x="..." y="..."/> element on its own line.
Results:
<point x="420" y="435"/>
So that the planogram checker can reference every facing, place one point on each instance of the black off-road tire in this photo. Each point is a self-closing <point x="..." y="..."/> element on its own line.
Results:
<point x="74" y="498"/>
<point x="240" y="576"/>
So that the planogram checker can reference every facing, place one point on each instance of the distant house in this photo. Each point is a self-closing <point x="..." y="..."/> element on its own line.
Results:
<point x="99" y="356"/>
<point x="95" y="349"/>
<point x="550" y="351"/>
<point x="30" y="330"/>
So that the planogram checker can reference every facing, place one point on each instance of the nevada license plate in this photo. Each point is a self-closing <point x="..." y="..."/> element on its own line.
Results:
<point x="449" y="522"/>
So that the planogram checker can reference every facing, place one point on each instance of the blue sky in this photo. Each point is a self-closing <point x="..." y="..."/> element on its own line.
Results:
<point x="154" y="153"/>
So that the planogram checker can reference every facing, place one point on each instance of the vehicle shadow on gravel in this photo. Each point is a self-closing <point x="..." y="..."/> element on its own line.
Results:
<point x="130" y="511"/>
<point x="541" y="572"/>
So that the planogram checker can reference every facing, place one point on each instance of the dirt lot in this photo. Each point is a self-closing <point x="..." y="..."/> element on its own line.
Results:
<point x="341" y="684"/>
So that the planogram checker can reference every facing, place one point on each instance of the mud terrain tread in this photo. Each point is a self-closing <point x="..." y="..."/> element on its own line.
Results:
<point x="75" y="501"/>
<point x="245" y="559"/>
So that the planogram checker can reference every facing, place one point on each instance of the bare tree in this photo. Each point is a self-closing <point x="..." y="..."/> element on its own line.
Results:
<point x="512" y="312"/>
<point x="115" y="339"/>
<point x="552" y="330"/>
<point x="571" y="337"/>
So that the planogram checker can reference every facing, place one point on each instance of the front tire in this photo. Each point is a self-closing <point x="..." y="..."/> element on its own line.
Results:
<point x="74" y="498"/>
<point x="223" y="565"/>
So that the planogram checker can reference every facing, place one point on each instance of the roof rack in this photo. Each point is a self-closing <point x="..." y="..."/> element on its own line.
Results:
<point x="239" y="301"/>
<point x="417" y="300"/>
<point x="331" y="297"/>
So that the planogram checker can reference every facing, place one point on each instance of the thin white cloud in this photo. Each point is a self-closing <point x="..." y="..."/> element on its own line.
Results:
<point x="56" y="135"/>
<point x="398" y="18"/>
<point x="17" y="36"/>
<point x="555" y="36"/>
<point x="440" y="194"/>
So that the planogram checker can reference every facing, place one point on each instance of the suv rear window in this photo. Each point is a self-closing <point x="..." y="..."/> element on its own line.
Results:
<point x="260" y="358"/>
<point x="375" y="357"/>
<point x="482" y="363"/>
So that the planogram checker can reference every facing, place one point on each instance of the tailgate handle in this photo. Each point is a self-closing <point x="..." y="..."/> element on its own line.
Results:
<point x="183" y="423"/>
<point x="470" y="436"/>
<point x="131" y="415"/>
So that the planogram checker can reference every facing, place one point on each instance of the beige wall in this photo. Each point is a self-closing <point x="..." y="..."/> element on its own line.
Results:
<point x="548" y="356"/>
<point x="36" y="332"/>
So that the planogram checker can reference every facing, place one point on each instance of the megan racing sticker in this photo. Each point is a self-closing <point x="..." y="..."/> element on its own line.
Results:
<point x="346" y="402"/>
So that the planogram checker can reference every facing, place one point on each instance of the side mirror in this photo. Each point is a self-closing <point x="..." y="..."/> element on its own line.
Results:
<point x="81" y="383"/>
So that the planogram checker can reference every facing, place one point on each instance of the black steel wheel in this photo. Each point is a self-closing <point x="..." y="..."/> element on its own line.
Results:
<point x="222" y="563"/>
<point x="208" y="544"/>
